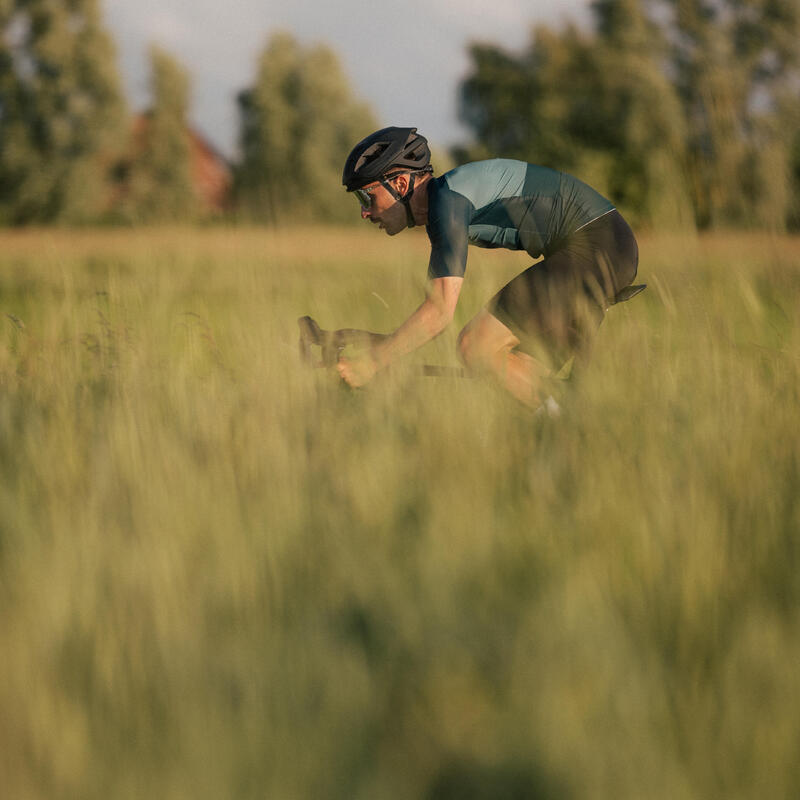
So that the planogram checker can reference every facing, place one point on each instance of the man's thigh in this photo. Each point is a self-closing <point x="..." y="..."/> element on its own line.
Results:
<point x="550" y="311"/>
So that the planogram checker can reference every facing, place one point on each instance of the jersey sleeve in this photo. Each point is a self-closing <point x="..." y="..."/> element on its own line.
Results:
<point x="449" y="215"/>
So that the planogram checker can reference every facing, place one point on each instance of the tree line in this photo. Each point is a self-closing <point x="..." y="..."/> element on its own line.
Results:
<point x="71" y="152"/>
<point x="683" y="112"/>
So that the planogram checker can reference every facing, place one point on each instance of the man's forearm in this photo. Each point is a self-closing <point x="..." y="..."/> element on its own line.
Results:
<point x="426" y="323"/>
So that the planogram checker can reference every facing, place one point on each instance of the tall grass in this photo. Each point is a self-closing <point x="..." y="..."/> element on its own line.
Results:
<point x="223" y="575"/>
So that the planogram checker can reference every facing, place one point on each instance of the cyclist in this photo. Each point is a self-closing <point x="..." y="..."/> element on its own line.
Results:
<point x="546" y="316"/>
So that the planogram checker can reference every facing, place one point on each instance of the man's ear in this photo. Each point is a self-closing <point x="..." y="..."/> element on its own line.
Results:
<point x="401" y="183"/>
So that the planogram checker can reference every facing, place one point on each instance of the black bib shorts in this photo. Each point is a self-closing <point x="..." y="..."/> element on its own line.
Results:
<point x="555" y="307"/>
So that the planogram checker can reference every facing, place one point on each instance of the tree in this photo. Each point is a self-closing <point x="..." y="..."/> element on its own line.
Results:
<point x="329" y="122"/>
<point x="159" y="183"/>
<point x="298" y="122"/>
<point x="595" y="105"/>
<point x="61" y="110"/>
<point x="736" y="70"/>
<point x="713" y="88"/>
<point x="646" y="129"/>
<point x="266" y="187"/>
<point x="667" y="105"/>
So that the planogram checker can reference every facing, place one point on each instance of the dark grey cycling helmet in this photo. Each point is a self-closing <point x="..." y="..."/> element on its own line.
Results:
<point x="388" y="150"/>
<point x="382" y="151"/>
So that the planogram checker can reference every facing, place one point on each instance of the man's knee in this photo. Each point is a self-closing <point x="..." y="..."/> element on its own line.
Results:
<point x="479" y="344"/>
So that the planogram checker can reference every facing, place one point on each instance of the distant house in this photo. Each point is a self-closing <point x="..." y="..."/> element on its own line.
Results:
<point x="211" y="174"/>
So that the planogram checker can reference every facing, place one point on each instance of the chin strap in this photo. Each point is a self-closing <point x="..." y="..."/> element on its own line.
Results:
<point x="404" y="199"/>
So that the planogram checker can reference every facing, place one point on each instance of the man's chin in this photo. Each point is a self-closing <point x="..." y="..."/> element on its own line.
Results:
<point x="389" y="229"/>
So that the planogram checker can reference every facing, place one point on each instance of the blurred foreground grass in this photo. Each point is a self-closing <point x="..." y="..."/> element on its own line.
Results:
<point x="224" y="576"/>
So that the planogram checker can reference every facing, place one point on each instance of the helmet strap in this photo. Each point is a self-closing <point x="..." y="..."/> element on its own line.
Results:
<point x="404" y="199"/>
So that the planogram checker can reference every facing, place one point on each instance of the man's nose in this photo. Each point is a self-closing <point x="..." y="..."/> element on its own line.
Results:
<point x="364" y="213"/>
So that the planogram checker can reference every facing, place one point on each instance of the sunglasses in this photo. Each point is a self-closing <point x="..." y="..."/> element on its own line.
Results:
<point x="364" y="198"/>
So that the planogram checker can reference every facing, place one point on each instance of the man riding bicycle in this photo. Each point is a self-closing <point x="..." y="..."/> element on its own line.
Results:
<point x="542" y="318"/>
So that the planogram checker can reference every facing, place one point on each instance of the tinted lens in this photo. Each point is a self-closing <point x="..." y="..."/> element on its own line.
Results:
<point x="364" y="198"/>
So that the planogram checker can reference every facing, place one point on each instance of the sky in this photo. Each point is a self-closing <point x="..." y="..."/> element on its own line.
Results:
<point x="404" y="58"/>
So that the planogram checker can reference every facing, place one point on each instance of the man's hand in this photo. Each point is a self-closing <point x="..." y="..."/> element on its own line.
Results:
<point x="358" y="370"/>
<point x="427" y="322"/>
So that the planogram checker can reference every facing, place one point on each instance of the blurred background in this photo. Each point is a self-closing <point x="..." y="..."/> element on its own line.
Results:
<point x="225" y="575"/>
<point x="684" y="112"/>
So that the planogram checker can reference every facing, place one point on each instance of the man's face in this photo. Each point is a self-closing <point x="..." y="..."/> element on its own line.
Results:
<point x="386" y="212"/>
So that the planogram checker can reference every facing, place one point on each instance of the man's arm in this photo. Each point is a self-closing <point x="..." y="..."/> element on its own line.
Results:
<point x="426" y="323"/>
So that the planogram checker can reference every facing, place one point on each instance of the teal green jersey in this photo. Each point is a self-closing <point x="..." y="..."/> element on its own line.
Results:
<point x="504" y="203"/>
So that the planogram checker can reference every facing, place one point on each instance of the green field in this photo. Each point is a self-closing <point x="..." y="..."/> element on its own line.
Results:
<point x="223" y="575"/>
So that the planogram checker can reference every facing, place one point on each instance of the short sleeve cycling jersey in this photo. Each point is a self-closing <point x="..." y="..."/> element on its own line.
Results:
<point x="504" y="203"/>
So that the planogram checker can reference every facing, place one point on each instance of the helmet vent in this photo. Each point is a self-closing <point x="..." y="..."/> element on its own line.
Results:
<point x="385" y="150"/>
